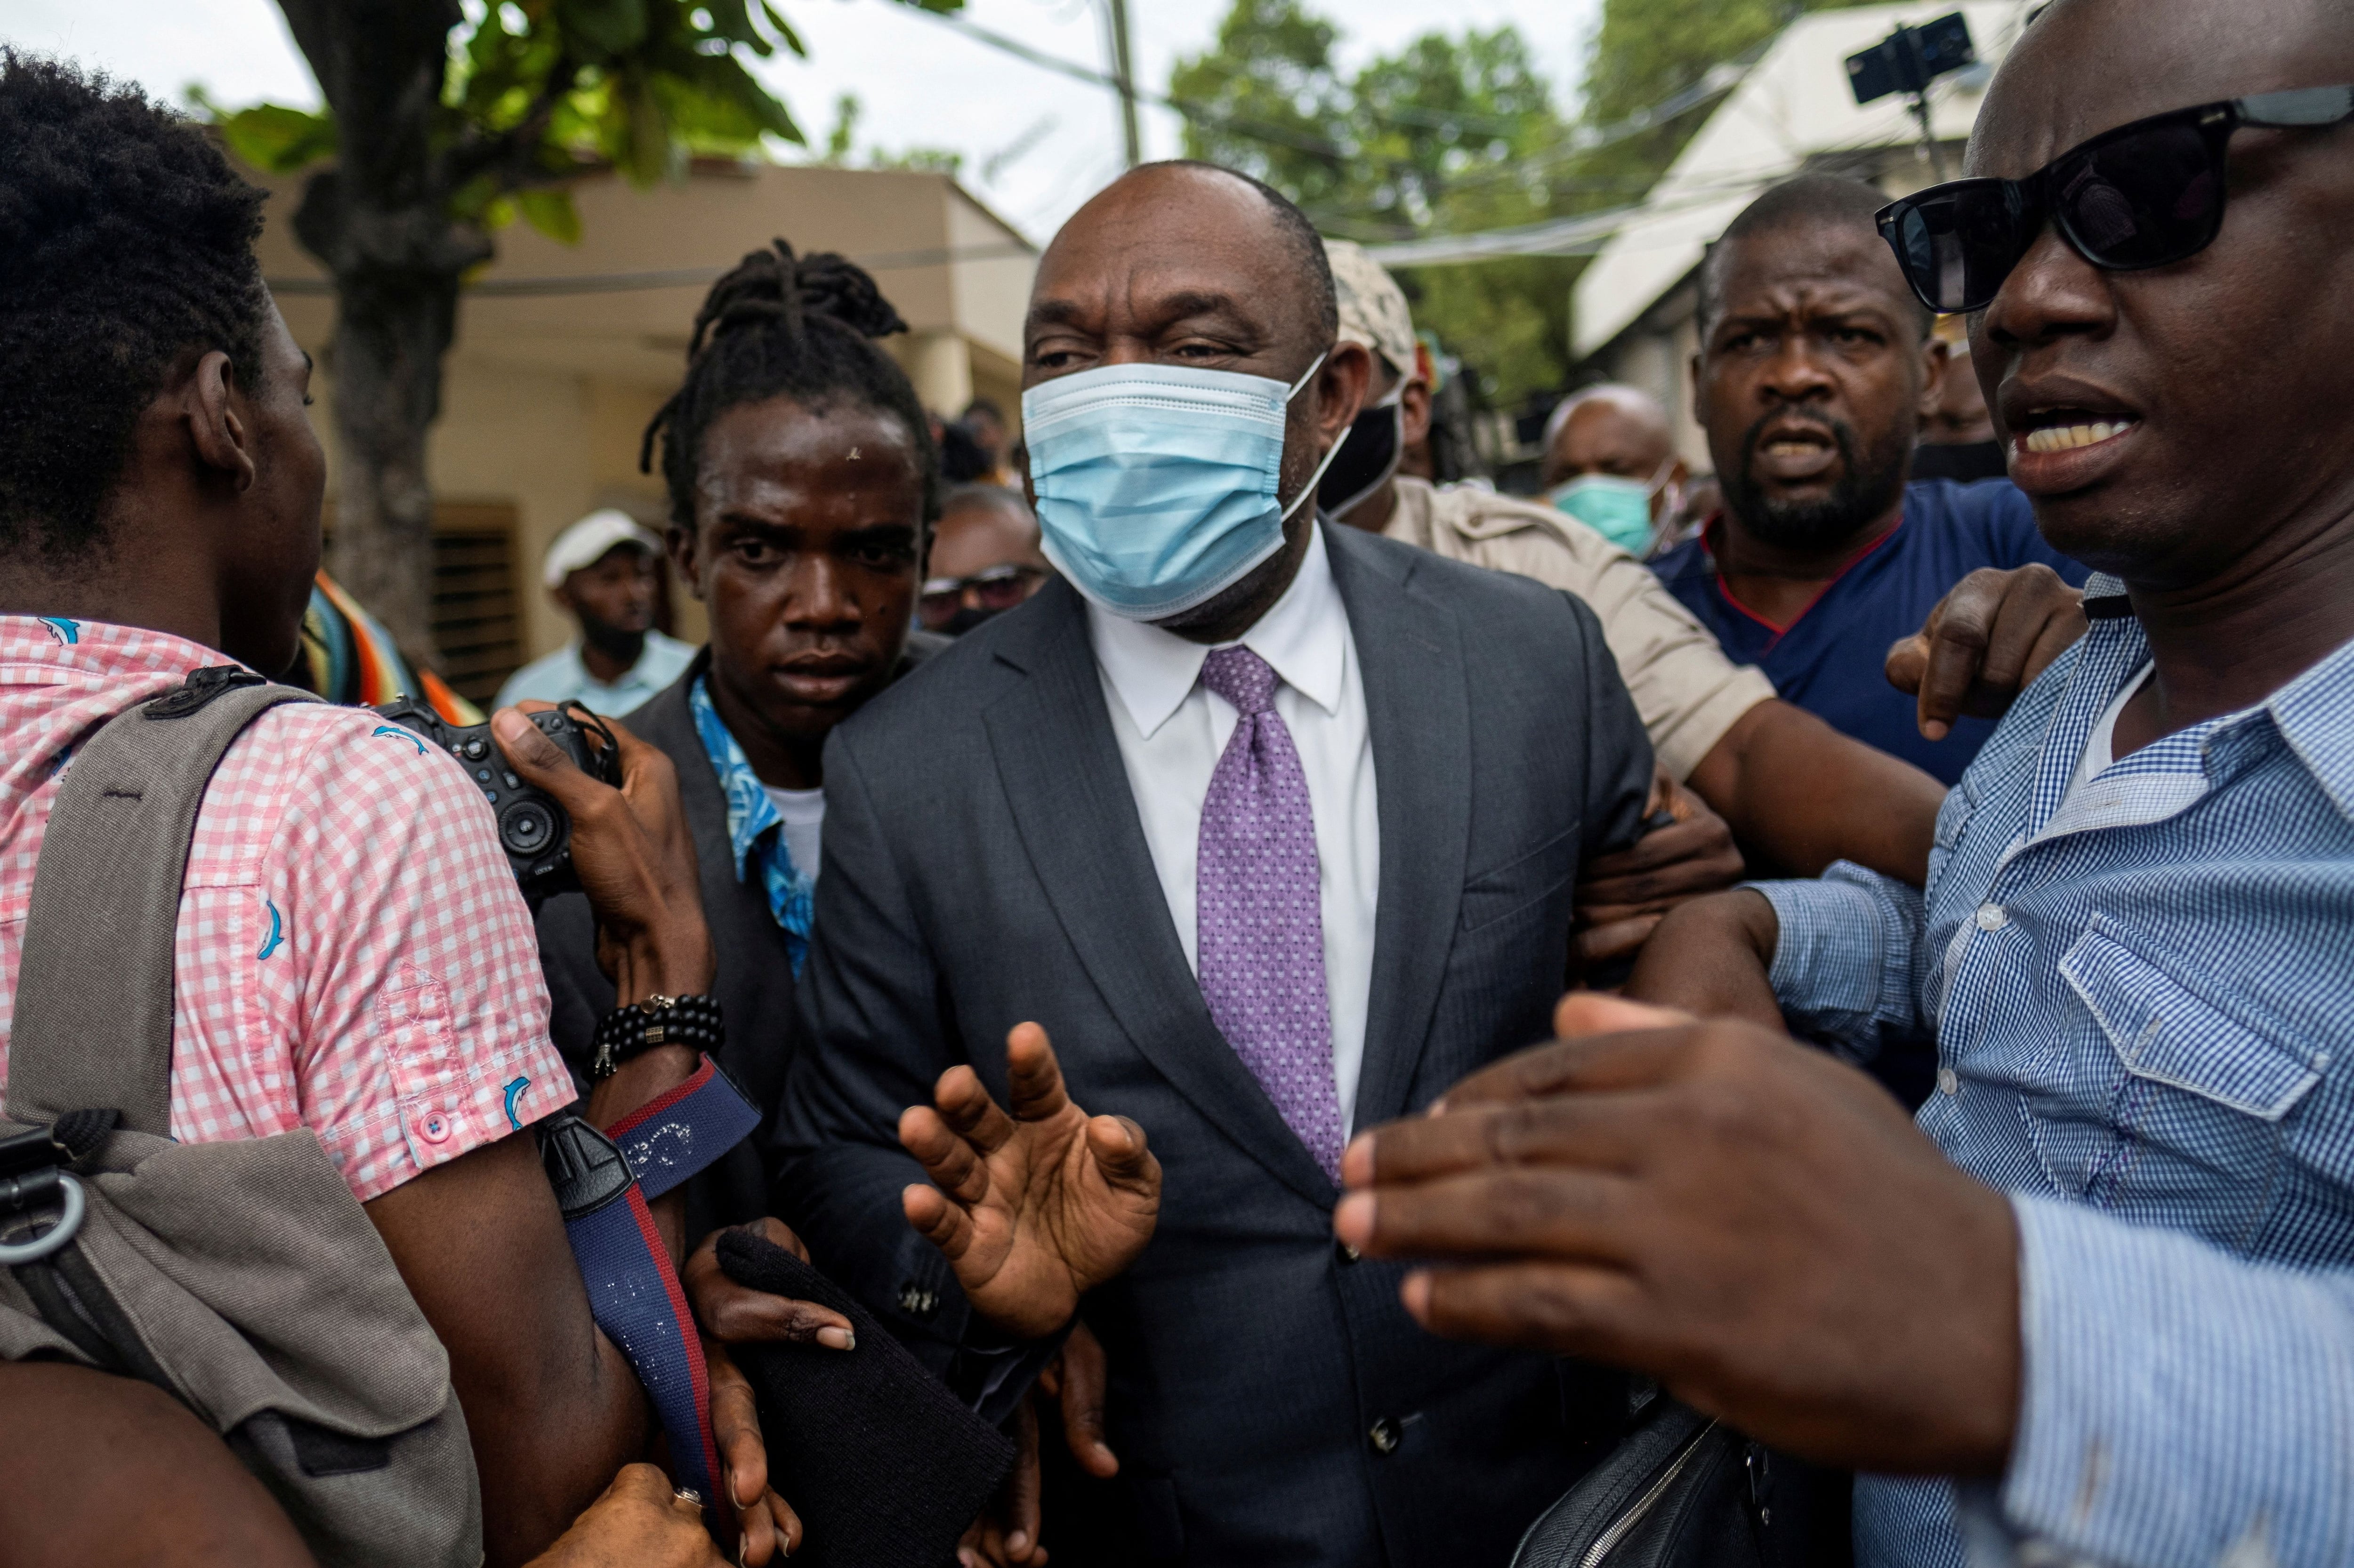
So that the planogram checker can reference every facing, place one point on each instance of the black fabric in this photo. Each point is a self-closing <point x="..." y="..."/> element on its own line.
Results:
<point x="1963" y="464"/>
<point x="883" y="1465"/>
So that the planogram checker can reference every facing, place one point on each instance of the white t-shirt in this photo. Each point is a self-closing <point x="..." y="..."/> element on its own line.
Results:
<point x="804" y="814"/>
<point x="2101" y="746"/>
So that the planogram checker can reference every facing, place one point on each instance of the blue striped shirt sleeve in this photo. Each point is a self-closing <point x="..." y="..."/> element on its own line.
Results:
<point x="1845" y="963"/>
<point x="2180" y="1405"/>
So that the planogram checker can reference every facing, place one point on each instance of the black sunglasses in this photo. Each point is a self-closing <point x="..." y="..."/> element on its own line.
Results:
<point x="2143" y="194"/>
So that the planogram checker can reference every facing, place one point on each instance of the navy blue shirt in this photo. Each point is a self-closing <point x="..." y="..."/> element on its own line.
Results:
<point x="1830" y="661"/>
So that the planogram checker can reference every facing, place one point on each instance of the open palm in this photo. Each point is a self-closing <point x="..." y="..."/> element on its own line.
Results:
<point x="1032" y="1208"/>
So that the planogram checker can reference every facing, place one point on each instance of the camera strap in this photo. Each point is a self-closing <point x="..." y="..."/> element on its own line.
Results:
<point x="603" y="1185"/>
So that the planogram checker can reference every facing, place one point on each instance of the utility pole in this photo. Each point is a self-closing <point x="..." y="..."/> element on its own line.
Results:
<point x="1123" y="76"/>
<point x="1918" y="75"/>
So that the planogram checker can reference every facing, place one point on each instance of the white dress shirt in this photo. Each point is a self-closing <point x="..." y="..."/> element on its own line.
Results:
<point x="1171" y="731"/>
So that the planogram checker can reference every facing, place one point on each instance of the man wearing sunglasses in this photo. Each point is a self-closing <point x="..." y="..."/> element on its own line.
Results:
<point x="985" y="559"/>
<point x="2111" y="1293"/>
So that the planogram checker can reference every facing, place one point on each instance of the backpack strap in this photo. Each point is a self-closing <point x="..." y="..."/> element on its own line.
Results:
<point x="93" y="1012"/>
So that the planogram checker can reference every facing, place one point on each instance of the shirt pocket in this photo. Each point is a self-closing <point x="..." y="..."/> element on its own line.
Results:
<point x="1521" y="883"/>
<point x="2164" y="1032"/>
<point x="2195" y="1098"/>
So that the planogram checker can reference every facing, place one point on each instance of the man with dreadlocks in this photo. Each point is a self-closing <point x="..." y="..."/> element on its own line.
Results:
<point x="803" y="485"/>
<point x="802" y="481"/>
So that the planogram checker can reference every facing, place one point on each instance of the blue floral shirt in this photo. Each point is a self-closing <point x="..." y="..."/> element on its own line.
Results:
<point x="754" y="830"/>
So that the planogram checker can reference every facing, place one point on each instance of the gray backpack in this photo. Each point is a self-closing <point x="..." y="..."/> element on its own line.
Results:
<point x="243" y="1278"/>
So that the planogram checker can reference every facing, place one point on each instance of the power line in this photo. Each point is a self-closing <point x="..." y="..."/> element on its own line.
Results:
<point x="1718" y="80"/>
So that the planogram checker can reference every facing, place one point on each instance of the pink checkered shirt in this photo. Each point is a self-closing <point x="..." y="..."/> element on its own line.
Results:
<point x="353" y="955"/>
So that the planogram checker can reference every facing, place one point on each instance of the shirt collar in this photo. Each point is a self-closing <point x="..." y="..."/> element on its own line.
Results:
<point x="101" y="648"/>
<point x="1303" y="636"/>
<point x="2313" y="713"/>
<point x="750" y="812"/>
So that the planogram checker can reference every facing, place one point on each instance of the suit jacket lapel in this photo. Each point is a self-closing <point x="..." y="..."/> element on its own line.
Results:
<point x="1418" y="712"/>
<point x="1069" y="794"/>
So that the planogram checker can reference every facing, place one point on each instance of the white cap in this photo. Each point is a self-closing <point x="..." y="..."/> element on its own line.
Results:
<point x="584" y="543"/>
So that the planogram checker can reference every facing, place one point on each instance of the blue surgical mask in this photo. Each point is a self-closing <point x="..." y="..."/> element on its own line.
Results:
<point x="1617" y="509"/>
<point x="1159" y="485"/>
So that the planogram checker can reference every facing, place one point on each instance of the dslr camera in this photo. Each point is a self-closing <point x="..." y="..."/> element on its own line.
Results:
<point x="532" y="829"/>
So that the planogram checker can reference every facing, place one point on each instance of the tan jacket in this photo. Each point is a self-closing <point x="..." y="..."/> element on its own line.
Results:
<point x="1688" y="693"/>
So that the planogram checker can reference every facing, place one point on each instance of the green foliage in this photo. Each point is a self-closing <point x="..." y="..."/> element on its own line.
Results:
<point x="1435" y="138"/>
<point x="1457" y="134"/>
<point x="840" y="147"/>
<point x="1646" y="50"/>
<point x="269" y="136"/>
<point x="545" y="88"/>
<point x="840" y="140"/>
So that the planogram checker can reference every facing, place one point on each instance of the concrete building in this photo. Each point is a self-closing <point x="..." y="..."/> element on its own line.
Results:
<point x="1635" y="308"/>
<point x="564" y="353"/>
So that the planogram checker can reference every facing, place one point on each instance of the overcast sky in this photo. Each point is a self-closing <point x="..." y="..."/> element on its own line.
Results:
<point x="1036" y="144"/>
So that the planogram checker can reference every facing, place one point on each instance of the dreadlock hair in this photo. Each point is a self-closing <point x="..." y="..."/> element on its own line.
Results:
<point x="126" y="244"/>
<point x="785" y="326"/>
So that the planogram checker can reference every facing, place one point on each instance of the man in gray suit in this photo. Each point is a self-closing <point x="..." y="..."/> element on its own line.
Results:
<point x="1273" y="827"/>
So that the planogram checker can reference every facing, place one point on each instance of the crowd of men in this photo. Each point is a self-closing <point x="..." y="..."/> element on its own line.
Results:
<point x="1270" y="1004"/>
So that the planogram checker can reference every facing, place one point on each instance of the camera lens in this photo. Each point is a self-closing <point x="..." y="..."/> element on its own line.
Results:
<point x="528" y="827"/>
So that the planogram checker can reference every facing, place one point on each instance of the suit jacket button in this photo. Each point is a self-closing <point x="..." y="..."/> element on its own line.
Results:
<point x="1384" y="1436"/>
<point x="917" y="1302"/>
<point x="1348" y="1252"/>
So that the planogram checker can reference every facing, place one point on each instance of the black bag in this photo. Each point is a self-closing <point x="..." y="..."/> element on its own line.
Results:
<point x="1684" y="1491"/>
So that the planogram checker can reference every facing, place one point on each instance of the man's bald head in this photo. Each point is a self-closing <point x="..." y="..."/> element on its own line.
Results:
<point x="1181" y="192"/>
<point x="1611" y="429"/>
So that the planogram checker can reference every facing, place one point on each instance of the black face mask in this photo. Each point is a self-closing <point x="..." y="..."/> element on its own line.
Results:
<point x="1969" y="460"/>
<point x="1368" y="456"/>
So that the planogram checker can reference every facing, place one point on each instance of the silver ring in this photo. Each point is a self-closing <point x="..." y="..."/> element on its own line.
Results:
<point x="56" y="1235"/>
<point x="688" y="1494"/>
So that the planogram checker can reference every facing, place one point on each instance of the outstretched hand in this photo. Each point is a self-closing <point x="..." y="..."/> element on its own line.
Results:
<point x="1034" y="1208"/>
<point x="1750" y="1221"/>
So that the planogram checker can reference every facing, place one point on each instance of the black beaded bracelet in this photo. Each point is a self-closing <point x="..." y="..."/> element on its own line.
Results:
<point x="690" y="1021"/>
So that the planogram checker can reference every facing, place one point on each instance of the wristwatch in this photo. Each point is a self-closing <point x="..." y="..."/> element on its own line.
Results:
<point x="691" y="1021"/>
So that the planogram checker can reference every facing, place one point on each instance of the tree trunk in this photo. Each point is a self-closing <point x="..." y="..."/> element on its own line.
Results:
<point x="390" y="336"/>
<point x="379" y="221"/>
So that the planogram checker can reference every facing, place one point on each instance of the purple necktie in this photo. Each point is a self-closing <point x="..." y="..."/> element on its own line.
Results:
<point x="1260" y="920"/>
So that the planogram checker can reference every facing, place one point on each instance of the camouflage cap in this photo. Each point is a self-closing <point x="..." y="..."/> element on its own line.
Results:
<point x="1372" y="307"/>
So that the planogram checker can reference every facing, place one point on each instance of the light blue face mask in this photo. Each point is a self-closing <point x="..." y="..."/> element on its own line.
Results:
<point x="1159" y="485"/>
<point x="1617" y="509"/>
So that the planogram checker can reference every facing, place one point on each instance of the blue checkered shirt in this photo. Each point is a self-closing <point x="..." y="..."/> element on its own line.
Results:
<point x="2138" y="996"/>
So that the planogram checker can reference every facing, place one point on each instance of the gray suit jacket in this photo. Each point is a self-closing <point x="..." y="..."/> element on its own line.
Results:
<point x="1271" y="1402"/>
